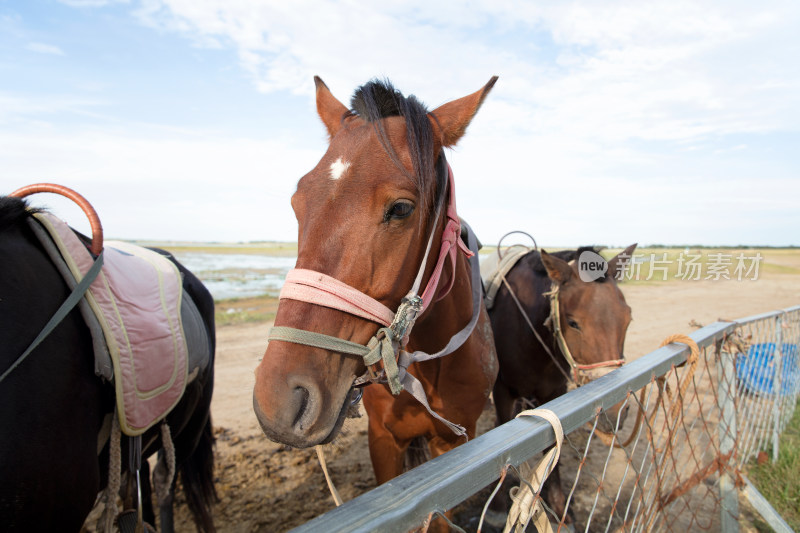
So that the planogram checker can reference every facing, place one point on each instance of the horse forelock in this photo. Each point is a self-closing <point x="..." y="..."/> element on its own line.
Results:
<point x="377" y="100"/>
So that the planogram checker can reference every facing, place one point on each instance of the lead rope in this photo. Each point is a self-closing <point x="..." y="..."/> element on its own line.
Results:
<point x="65" y="308"/>
<point x="337" y="499"/>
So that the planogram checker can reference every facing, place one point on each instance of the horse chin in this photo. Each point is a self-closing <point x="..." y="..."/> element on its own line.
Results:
<point x="301" y="440"/>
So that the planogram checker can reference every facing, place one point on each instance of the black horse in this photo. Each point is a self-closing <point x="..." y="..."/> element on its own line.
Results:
<point x="54" y="455"/>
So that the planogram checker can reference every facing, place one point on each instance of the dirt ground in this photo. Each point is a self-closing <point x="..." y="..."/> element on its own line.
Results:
<point x="264" y="486"/>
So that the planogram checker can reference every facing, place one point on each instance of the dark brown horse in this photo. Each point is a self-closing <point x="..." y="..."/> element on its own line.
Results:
<point x="54" y="450"/>
<point x="537" y="365"/>
<point x="378" y="199"/>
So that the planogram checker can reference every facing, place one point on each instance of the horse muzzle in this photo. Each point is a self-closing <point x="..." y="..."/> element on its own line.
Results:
<point x="297" y="407"/>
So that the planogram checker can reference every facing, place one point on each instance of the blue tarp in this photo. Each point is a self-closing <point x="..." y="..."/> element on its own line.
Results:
<point x="757" y="369"/>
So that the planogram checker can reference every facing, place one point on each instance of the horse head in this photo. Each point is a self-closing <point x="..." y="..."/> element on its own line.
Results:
<point x="589" y="319"/>
<point x="365" y="214"/>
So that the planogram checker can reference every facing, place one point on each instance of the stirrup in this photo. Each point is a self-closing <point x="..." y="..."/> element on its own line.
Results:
<point x="127" y="522"/>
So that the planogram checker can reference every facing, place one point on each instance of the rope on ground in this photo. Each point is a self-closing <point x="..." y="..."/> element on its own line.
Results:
<point x="321" y="456"/>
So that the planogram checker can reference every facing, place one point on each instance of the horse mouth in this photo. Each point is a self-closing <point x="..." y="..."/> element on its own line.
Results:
<point x="295" y="435"/>
<point x="337" y="426"/>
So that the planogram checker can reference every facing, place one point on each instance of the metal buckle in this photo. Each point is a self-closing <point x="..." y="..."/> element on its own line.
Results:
<point x="407" y="312"/>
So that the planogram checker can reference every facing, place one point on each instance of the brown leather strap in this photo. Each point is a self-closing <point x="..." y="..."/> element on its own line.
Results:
<point x="94" y="220"/>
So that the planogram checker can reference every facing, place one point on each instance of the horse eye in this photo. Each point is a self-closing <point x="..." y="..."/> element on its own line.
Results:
<point x="400" y="210"/>
<point x="571" y="323"/>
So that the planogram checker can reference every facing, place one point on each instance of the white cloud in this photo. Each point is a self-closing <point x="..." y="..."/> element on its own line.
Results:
<point x="619" y="70"/>
<point x="42" y="48"/>
<point x="611" y="122"/>
<point x="92" y="3"/>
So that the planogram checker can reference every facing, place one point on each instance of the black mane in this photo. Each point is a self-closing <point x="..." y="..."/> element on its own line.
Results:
<point x="13" y="211"/>
<point x="378" y="99"/>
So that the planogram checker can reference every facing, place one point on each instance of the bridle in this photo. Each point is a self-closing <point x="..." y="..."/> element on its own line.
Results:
<point x="387" y="345"/>
<point x="579" y="373"/>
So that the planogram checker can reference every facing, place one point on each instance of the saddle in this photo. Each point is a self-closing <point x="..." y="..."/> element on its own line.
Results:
<point x="144" y="326"/>
<point x="494" y="269"/>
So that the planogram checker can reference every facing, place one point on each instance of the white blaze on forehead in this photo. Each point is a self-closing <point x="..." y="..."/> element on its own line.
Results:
<point x="338" y="168"/>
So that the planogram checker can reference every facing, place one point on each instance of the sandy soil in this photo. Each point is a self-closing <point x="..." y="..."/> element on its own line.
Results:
<point x="265" y="486"/>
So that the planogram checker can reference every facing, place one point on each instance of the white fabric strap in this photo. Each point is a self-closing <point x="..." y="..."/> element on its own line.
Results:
<point x="526" y="504"/>
<point x="421" y="272"/>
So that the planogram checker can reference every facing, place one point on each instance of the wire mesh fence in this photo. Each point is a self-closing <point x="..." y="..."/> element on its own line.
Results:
<point x="672" y="459"/>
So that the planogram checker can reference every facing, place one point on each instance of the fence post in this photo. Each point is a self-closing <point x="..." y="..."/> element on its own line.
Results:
<point x="777" y="365"/>
<point x="726" y="431"/>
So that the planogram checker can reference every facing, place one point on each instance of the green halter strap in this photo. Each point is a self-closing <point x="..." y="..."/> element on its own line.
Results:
<point x="381" y="347"/>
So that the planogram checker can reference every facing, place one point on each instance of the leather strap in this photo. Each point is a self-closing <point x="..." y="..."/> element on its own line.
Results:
<point x="72" y="300"/>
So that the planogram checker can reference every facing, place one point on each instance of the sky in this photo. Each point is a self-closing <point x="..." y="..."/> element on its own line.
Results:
<point x="669" y="122"/>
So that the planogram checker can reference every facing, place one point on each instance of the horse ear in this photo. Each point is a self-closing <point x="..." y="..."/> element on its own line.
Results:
<point x="618" y="264"/>
<point x="329" y="108"/>
<point x="450" y="120"/>
<point x="558" y="270"/>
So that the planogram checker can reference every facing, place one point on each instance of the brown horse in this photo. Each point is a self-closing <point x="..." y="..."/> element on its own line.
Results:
<point x="368" y="213"/>
<point x="535" y="364"/>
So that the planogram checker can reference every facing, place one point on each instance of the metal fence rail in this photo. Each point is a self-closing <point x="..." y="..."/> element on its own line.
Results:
<point x="679" y="468"/>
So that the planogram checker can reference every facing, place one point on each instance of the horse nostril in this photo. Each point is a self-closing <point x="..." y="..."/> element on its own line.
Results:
<point x="300" y="397"/>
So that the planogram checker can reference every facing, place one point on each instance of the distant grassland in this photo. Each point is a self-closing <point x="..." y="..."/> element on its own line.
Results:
<point x="278" y="249"/>
<point x="245" y="310"/>
<point x="235" y="310"/>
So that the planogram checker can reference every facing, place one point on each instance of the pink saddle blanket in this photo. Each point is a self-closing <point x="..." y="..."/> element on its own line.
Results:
<point x="137" y="301"/>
